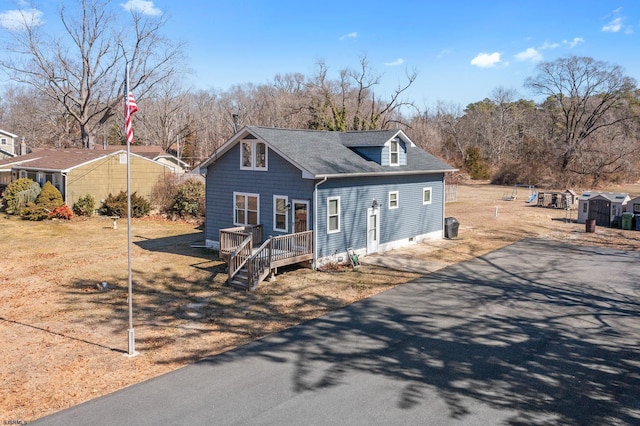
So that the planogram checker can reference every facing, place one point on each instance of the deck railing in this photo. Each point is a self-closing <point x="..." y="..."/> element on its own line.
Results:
<point x="273" y="253"/>
<point x="231" y="238"/>
<point x="240" y="256"/>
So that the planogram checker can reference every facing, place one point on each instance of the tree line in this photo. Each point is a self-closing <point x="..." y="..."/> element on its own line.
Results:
<point x="583" y="129"/>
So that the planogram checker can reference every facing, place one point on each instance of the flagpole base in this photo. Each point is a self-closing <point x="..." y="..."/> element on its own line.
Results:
<point x="132" y="345"/>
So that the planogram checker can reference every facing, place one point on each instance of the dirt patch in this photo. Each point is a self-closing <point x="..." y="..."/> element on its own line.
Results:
<point x="63" y="286"/>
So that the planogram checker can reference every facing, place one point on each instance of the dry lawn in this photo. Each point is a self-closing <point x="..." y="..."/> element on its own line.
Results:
<point x="64" y="338"/>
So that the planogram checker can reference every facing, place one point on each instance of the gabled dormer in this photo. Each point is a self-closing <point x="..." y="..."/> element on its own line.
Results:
<point x="384" y="148"/>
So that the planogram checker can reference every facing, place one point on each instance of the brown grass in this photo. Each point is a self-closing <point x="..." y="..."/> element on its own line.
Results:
<point x="64" y="338"/>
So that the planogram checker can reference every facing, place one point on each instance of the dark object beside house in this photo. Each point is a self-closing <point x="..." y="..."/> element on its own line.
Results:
<point x="451" y="225"/>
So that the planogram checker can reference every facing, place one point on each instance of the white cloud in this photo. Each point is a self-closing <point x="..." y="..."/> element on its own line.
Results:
<point x="443" y="53"/>
<point x="616" y="24"/>
<point x="395" y="63"/>
<point x="529" y="55"/>
<point x="486" y="60"/>
<point x="16" y="20"/>
<point x="350" y="35"/>
<point x="574" y="42"/>
<point x="613" y="26"/>
<point x="142" y="6"/>
<point x="547" y="45"/>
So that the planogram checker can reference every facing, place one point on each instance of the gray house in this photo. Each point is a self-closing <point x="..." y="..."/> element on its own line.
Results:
<point x="366" y="192"/>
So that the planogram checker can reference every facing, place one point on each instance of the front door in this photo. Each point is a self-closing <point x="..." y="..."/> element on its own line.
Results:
<point x="300" y="215"/>
<point x="373" y="230"/>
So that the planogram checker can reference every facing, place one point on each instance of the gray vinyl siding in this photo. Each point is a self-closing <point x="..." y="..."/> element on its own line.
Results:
<point x="224" y="177"/>
<point x="402" y="154"/>
<point x="380" y="154"/>
<point x="410" y="219"/>
<point x="371" y="153"/>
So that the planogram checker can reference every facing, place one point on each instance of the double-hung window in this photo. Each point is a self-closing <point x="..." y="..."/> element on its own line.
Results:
<point x="253" y="155"/>
<point x="333" y="215"/>
<point x="393" y="199"/>
<point x="280" y="213"/>
<point x="394" y="153"/>
<point x="246" y="209"/>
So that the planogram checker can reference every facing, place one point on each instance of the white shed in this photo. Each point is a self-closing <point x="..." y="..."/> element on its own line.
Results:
<point x="633" y="205"/>
<point x="604" y="207"/>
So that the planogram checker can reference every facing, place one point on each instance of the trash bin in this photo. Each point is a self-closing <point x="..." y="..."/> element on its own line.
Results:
<point x="590" y="225"/>
<point x="451" y="225"/>
<point x="627" y="220"/>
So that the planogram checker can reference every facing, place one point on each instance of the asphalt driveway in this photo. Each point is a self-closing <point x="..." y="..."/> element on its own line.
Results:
<point x="535" y="333"/>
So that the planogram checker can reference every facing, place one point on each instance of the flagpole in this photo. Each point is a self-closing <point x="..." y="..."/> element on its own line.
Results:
<point x="131" y="333"/>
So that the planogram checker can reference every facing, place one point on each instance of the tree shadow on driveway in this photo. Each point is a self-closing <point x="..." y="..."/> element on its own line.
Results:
<point x="544" y="331"/>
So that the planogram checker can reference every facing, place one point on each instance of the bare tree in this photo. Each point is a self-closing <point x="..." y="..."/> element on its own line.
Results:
<point x="584" y="97"/>
<point x="83" y="70"/>
<point x="350" y="102"/>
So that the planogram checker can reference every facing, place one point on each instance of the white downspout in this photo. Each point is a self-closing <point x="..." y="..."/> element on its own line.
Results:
<point x="315" y="222"/>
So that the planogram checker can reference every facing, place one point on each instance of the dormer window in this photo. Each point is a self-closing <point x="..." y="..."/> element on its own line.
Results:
<point x="394" y="154"/>
<point x="253" y="155"/>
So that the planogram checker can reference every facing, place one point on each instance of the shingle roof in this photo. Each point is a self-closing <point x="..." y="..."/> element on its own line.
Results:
<point x="64" y="159"/>
<point x="325" y="153"/>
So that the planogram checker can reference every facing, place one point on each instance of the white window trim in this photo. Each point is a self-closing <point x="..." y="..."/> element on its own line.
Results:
<point x="122" y="158"/>
<point x="430" y="195"/>
<point x="333" y="231"/>
<point x="22" y="174"/>
<point x="3" y="141"/>
<point x="41" y="178"/>
<point x="397" y="152"/>
<point x="246" y="216"/>
<point x="397" y="193"/>
<point x="252" y="144"/>
<point x="275" y="212"/>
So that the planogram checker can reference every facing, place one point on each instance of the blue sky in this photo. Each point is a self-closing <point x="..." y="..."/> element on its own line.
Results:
<point x="461" y="50"/>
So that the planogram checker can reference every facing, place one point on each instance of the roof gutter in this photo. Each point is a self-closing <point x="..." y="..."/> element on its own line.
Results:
<point x="315" y="222"/>
<point x="385" y="173"/>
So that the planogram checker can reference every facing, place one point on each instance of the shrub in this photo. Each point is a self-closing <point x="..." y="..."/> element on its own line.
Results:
<point x="50" y="197"/>
<point x="18" y="194"/>
<point x="117" y="205"/>
<point x="164" y="193"/>
<point x="189" y="199"/>
<point x="476" y="164"/>
<point x="62" y="212"/>
<point x="33" y="211"/>
<point x="84" y="206"/>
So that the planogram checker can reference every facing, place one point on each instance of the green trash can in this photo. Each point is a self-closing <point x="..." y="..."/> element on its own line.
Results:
<point x="627" y="221"/>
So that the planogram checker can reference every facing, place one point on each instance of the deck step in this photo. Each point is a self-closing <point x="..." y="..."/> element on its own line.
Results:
<point x="240" y="280"/>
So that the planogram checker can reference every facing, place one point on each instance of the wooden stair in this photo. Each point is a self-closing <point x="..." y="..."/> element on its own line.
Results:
<point x="249" y="266"/>
<point x="240" y="280"/>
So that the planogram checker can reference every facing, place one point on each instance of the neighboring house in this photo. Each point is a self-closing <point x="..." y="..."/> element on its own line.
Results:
<point x="369" y="191"/>
<point x="155" y="153"/>
<point x="605" y="207"/>
<point x="7" y="144"/>
<point x="78" y="172"/>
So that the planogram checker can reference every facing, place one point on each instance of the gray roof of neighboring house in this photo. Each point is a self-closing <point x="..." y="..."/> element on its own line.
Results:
<point x="325" y="153"/>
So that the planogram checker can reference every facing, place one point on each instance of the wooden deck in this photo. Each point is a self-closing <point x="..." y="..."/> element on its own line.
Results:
<point x="249" y="265"/>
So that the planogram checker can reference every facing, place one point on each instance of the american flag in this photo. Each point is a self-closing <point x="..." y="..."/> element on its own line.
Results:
<point x="129" y="108"/>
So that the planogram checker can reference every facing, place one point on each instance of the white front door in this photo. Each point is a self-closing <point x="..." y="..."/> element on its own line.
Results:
<point x="373" y="230"/>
